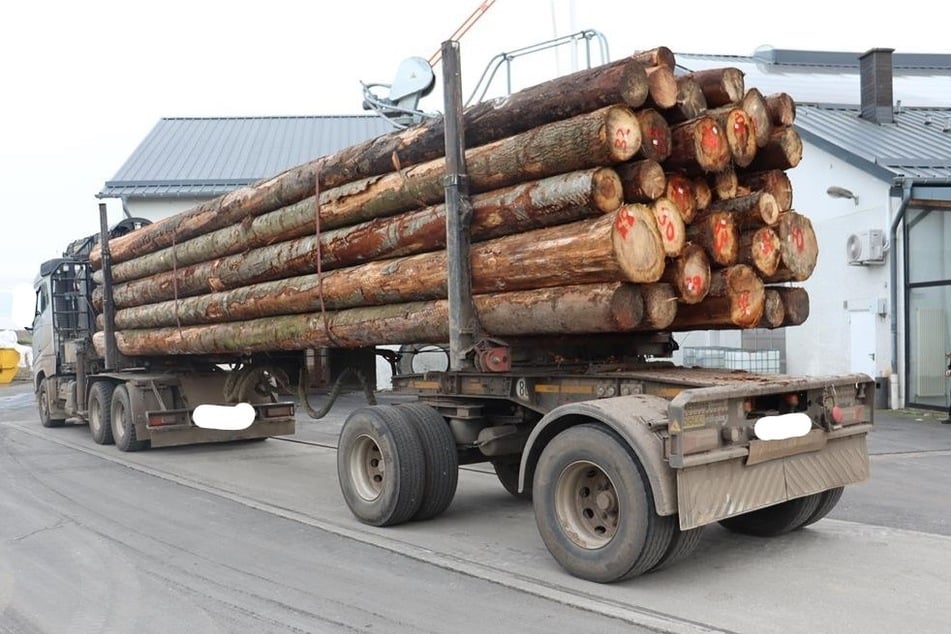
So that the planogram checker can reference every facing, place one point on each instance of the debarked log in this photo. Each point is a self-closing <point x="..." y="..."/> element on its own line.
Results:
<point x="622" y="245"/>
<point x="554" y="200"/>
<point x="616" y="307"/>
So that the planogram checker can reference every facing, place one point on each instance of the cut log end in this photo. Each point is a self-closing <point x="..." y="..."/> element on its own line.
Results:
<point x="670" y="223"/>
<point x="638" y="247"/>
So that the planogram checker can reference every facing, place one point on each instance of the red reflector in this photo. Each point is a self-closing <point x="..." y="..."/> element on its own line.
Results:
<point x="158" y="420"/>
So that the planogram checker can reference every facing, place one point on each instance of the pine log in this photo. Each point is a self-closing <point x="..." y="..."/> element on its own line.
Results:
<point x="776" y="182"/>
<point x="698" y="145"/>
<point x="773" y="310"/>
<point x="670" y="223"/>
<point x="781" y="108"/>
<point x="724" y="184"/>
<point x="655" y="135"/>
<point x="563" y="310"/>
<point x="701" y="192"/>
<point x="717" y="233"/>
<point x="795" y="304"/>
<point x="584" y="91"/>
<point x="736" y="299"/>
<point x="662" y="89"/>
<point x="799" y="250"/>
<point x="554" y="200"/>
<point x="680" y="191"/>
<point x="755" y="106"/>
<point x="660" y="306"/>
<point x="621" y="245"/>
<point x="760" y="249"/>
<point x="782" y="152"/>
<point x="642" y="181"/>
<point x="751" y="211"/>
<point x="659" y="56"/>
<point x="720" y="86"/>
<point x="690" y="101"/>
<point x="740" y="135"/>
<point x="689" y="274"/>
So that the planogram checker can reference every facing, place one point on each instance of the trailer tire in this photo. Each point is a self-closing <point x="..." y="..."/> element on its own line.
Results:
<point x="594" y="508"/>
<point x="682" y="545"/>
<point x="827" y="501"/>
<point x="123" y="422"/>
<point x="100" y="412"/>
<point x="441" y="457"/>
<point x="43" y="403"/>
<point x="380" y="466"/>
<point x="775" y="520"/>
<point x="506" y="470"/>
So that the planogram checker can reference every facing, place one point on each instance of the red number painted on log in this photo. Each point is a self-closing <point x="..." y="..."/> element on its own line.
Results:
<point x="624" y="222"/>
<point x="798" y="240"/>
<point x="670" y="231"/>
<point x="620" y="138"/>
<point x="743" y="301"/>
<point x="721" y="237"/>
<point x="766" y="245"/>
<point x="710" y="138"/>
<point x="694" y="284"/>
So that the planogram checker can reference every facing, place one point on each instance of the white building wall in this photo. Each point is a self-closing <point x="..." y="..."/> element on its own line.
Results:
<point x="157" y="208"/>
<point x="848" y="304"/>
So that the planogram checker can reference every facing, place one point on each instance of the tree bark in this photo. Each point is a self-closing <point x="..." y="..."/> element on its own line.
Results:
<point x="799" y="250"/>
<point x="689" y="274"/>
<point x="720" y="86"/>
<point x="621" y="245"/>
<point x="642" y="181"/>
<point x="760" y="249"/>
<point x="592" y="139"/>
<point x="697" y="146"/>
<point x="740" y="135"/>
<point x="724" y="184"/>
<point x="565" y="310"/>
<point x="717" y="234"/>
<point x="781" y="108"/>
<point x="659" y="56"/>
<point x="782" y="152"/>
<point x="755" y="105"/>
<point x="776" y="182"/>
<point x="702" y="192"/>
<point x="736" y="299"/>
<point x="671" y="226"/>
<point x="655" y="135"/>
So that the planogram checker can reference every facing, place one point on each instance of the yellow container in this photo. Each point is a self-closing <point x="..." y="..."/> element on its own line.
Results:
<point x="9" y="364"/>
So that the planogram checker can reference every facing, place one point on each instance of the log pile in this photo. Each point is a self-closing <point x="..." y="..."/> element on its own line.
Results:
<point x="616" y="199"/>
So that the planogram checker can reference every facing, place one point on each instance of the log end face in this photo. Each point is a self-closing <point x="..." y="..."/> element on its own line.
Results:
<point x="638" y="248"/>
<point x="622" y="132"/>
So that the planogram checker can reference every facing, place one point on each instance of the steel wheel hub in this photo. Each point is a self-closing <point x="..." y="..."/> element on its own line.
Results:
<point x="586" y="503"/>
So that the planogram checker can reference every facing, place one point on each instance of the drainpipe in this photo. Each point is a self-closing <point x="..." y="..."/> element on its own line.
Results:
<point x="893" y="271"/>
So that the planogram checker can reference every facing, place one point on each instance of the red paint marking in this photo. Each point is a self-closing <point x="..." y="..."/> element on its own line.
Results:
<point x="620" y="138"/>
<point x="694" y="285"/>
<point x="668" y="227"/>
<point x="743" y="300"/>
<point x="721" y="236"/>
<point x="766" y="245"/>
<point x="710" y="138"/>
<point x="624" y="222"/>
<point x="798" y="239"/>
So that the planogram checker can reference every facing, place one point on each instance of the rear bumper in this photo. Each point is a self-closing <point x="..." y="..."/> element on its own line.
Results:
<point x="713" y="491"/>
<point x="174" y="435"/>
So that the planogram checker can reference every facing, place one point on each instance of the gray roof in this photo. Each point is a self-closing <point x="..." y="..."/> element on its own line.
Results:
<point x="207" y="157"/>
<point x="826" y="88"/>
<point x="833" y="77"/>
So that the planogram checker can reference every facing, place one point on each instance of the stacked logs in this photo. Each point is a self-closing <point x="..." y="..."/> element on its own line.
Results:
<point x="616" y="199"/>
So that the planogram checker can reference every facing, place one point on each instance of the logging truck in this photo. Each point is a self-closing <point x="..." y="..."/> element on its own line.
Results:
<point x="590" y="218"/>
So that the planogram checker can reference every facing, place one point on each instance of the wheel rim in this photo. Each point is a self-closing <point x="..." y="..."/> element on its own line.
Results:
<point x="44" y="406"/>
<point x="118" y="417"/>
<point x="587" y="505"/>
<point x="95" y="414"/>
<point x="367" y="468"/>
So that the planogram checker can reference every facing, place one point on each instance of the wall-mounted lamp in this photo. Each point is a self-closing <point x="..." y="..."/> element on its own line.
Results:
<point x="841" y="192"/>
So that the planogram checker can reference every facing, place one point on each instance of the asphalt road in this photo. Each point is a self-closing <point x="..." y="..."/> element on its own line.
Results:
<point x="255" y="537"/>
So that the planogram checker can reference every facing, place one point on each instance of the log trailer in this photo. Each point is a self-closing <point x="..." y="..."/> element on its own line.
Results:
<point x="624" y="456"/>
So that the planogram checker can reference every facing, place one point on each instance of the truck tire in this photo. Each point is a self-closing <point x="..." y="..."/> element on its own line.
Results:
<point x="594" y="508"/>
<point x="827" y="501"/>
<point x="774" y="520"/>
<point x="442" y="460"/>
<point x="506" y="470"/>
<point x="682" y="545"/>
<point x="380" y="466"/>
<point x="43" y="403"/>
<point x="123" y="424"/>
<point x="100" y="412"/>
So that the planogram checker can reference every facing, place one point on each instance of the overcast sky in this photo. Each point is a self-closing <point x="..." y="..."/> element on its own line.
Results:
<point x="84" y="82"/>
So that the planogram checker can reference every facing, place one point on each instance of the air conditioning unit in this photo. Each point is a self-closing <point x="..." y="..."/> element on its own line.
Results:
<point x="866" y="247"/>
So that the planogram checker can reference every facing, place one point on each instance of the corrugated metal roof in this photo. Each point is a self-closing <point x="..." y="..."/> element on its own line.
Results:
<point x="199" y="157"/>
<point x="917" y="145"/>
<point x="833" y="77"/>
